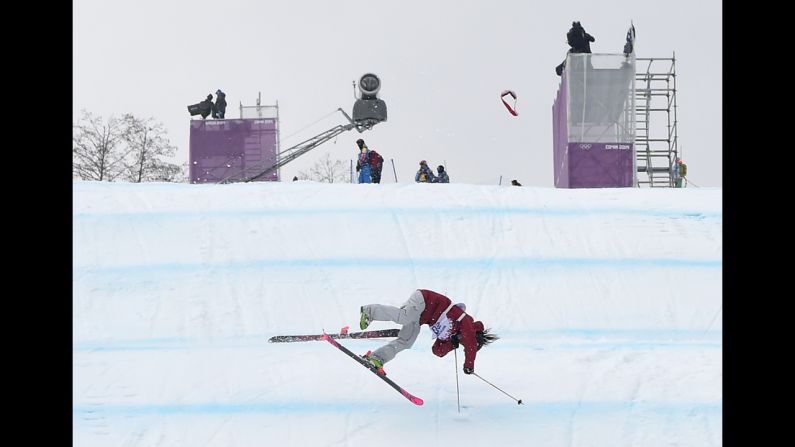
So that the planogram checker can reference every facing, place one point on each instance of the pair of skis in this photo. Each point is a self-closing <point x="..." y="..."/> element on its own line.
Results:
<point x="332" y="339"/>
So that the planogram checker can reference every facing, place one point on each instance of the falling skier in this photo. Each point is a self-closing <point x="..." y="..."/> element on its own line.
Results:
<point x="450" y="326"/>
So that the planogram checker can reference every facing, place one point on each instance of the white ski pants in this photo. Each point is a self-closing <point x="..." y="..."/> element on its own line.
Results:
<point x="408" y="315"/>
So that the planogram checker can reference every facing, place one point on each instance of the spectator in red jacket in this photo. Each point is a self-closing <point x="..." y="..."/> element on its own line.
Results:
<point x="450" y="326"/>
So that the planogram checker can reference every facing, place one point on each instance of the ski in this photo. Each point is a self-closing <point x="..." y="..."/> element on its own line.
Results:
<point x="366" y="334"/>
<point x="414" y="399"/>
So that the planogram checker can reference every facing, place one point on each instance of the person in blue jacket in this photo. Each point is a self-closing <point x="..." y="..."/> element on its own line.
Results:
<point x="363" y="164"/>
<point x="424" y="174"/>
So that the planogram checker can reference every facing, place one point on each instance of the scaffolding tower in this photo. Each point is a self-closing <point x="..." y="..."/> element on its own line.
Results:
<point x="656" y="145"/>
<point x="260" y="111"/>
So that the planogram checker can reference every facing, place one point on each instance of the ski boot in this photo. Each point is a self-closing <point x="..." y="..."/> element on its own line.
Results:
<point x="364" y="319"/>
<point x="377" y="363"/>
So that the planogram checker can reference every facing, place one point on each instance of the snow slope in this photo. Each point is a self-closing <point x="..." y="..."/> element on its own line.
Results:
<point x="608" y="302"/>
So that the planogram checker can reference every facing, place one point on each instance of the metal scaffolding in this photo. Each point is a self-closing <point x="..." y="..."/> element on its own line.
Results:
<point x="264" y="111"/>
<point x="656" y="145"/>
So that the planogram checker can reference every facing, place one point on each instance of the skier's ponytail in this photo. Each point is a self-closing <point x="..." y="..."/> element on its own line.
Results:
<point x="484" y="338"/>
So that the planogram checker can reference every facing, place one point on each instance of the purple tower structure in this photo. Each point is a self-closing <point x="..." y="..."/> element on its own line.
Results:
<point x="593" y="122"/>
<point x="224" y="148"/>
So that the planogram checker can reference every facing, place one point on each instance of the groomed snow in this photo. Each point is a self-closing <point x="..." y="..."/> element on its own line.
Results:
<point x="608" y="302"/>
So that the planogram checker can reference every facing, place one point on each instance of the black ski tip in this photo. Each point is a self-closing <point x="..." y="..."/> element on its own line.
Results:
<point x="520" y="402"/>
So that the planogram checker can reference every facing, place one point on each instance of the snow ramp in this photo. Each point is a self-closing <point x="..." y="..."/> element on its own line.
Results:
<point x="607" y="301"/>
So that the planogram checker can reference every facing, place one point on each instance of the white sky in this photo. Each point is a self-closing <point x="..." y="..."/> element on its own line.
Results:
<point x="608" y="302"/>
<point x="443" y="65"/>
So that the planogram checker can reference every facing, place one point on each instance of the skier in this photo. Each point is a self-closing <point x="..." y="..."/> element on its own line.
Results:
<point x="450" y="324"/>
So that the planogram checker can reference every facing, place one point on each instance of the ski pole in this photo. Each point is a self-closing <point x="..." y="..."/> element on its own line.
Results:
<point x="458" y="399"/>
<point x="518" y="401"/>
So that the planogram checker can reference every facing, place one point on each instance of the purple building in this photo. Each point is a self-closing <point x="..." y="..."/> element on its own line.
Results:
<point x="221" y="149"/>
<point x="593" y="122"/>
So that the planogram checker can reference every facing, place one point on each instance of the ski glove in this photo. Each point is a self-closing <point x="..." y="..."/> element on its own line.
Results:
<point x="454" y="340"/>
<point x="468" y="370"/>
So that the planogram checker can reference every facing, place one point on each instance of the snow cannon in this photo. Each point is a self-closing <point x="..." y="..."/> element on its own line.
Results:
<point x="368" y="110"/>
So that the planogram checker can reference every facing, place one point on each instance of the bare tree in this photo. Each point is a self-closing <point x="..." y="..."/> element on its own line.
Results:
<point x="96" y="151"/>
<point x="327" y="171"/>
<point x="173" y="173"/>
<point x="169" y="172"/>
<point x="148" y="144"/>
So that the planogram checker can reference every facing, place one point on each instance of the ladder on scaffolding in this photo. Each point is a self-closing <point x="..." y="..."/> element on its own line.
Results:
<point x="656" y="142"/>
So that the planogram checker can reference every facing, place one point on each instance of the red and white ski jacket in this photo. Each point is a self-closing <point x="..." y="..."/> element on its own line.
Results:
<point x="435" y="306"/>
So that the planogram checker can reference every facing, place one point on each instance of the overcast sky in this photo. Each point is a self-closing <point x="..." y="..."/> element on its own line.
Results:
<point x="443" y="65"/>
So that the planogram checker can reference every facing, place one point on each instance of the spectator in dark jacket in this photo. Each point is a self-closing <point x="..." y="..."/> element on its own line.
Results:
<point x="207" y="107"/>
<point x="578" y="39"/>
<point x="220" y="104"/>
<point x="442" y="176"/>
<point x="450" y="326"/>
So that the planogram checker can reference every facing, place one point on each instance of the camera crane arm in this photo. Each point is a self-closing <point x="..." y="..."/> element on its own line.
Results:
<point x="288" y="155"/>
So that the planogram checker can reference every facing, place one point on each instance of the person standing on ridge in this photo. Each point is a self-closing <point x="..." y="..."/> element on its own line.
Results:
<point x="363" y="163"/>
<point x="678" y="172"/>
<point x="442" y="176"/>
<point x="376" y="161"/>
<point x="424" y="174"/>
